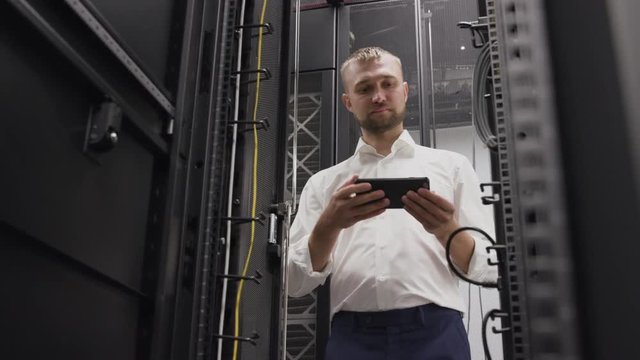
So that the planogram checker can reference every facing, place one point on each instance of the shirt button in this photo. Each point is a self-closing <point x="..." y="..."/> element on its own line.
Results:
<point x="382" y="278"/>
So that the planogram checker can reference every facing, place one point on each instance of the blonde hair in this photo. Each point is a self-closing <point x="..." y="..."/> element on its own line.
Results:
<point x="364" y="55"/>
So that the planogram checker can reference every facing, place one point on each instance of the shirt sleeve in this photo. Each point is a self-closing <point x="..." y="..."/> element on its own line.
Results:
<point x="301" y="277"/>
<point x="471" y="212"/>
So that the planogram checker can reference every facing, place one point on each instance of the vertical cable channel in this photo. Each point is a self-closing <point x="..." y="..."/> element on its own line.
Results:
<point x="296" y="71"/>
<point x="254" y="187"/>
<point x="433" y="96"/>
<point x="418" y="12"/>
<point x="234" y="132"/>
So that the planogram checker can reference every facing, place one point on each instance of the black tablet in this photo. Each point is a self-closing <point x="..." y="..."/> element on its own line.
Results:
<point x="395" y="188"/>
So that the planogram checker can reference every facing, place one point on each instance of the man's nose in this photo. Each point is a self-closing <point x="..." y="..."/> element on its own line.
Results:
<point x="378" y="96"/>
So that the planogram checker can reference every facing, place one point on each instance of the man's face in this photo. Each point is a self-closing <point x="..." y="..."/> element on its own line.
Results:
<point x="376" y="94"/>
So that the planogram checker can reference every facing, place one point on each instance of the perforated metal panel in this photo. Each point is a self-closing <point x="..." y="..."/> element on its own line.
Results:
<point x="258" y="303"/>
<point x="514" y="276"/>
<point x="538" y="262"/>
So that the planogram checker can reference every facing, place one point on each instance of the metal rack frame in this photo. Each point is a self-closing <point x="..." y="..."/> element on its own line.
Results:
<point x="538" y="262"/>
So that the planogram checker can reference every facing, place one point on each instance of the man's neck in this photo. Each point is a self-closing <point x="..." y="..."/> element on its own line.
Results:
<point x="382" y="142"/>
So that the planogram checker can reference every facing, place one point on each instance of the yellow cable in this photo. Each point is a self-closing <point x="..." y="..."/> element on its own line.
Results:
<point x="245" y="269"/>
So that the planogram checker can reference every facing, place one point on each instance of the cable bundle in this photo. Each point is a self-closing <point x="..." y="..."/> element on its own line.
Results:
<point x="479" y="103"/>
<point x="254" y="187"/>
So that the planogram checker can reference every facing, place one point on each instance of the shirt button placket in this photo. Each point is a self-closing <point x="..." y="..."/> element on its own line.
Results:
<point x="382" y="269"/>
<point x="379" y="269"/>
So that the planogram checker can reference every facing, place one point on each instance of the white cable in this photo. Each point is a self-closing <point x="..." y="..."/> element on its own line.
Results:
<point x="285" y="281"/>
<point x="234" y="131"/>
<point x="433" y="95"/>
<point x="296" y="71"/>
<point x="418" y="13"/>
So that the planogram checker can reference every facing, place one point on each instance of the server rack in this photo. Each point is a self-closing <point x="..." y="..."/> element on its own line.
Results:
<point x="562" y="141"/>
<point x="115" y="159"/>
<point x="116" y="136"/>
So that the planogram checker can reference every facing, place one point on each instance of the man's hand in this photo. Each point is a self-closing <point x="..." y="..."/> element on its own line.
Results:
<point x="436" y="215"/>
<point x="350" y="204"/>
<point x="434" y="212"/>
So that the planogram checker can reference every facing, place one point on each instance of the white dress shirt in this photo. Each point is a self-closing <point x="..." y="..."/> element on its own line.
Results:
<point x="390" y="261"/>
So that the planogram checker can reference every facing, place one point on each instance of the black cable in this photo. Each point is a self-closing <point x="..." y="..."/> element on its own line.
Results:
<point x="491" y="315"/>
<point x="481" y="310"/>
<point x="485" y="344"/>
<point x="481" y="284"/>
<point x="453" y="267"/>
<point x="468" y="308"/>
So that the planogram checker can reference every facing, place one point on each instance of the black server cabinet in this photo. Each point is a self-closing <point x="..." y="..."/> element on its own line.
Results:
<point x="595" y="71"/>
<point x="80" y="226"/>
<point x="570" y="175"/>
<point x="113" y="150"/>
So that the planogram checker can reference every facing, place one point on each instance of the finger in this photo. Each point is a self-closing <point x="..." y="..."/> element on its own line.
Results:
<point x="371" y="207"/>
<point x="418" y="212"/>
<point x="427" y="225"/>
<point x="370" y="214"/>
<point x="365" y="198"/>
<point x="347" y="191"/>
<point x="429" y="206"/>
<point x="351" y="180"/>
<point x="437" y="200"/>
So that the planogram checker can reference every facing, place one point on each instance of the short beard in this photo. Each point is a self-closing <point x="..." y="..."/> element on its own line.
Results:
<point x="376" y="127"/>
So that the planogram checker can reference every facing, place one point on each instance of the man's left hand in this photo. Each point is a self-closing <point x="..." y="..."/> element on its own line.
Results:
<point x="434" y="212"/>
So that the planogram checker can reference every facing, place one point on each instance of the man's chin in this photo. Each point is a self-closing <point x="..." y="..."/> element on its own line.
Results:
<point x="379" y="127"/>
<point x="384" y="117"/>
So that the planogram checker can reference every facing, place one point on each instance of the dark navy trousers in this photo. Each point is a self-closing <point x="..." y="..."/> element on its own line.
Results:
<point x="427" y="332"/>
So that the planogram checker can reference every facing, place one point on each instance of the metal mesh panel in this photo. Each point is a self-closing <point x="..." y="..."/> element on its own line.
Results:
<point x="301" y="325"/>
<point x="215" y="191"/>
<point x="308" y="132"/>
<point x="257" y="300"/>
<point x="301" y="344"/>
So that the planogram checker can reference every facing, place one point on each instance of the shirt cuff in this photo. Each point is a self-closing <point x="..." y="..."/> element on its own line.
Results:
<point x="302" y="258"/>
<point x="479" y="268"/>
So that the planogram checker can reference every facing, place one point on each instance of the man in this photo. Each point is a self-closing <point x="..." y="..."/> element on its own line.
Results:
<point x="393" y="295"/>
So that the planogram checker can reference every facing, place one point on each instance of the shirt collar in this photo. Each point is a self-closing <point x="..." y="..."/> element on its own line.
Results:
<point x="404" y="143"/>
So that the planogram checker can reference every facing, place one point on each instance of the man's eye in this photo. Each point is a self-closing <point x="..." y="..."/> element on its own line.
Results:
<point x="363" y="90"/>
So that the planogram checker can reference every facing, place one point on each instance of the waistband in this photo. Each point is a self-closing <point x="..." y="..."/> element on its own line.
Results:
<point x="423" y="314"/>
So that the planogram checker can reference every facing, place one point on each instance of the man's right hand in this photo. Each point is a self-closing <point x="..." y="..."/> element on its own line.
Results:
<point x="350" y="204"/>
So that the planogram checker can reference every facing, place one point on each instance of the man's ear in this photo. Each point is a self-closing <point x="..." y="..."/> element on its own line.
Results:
<point x="405" y="85"/>
<point x="346" y="101"/>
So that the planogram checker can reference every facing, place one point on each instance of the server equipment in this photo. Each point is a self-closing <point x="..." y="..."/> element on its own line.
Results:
<point x="152" y="154"/>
